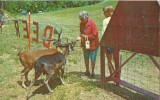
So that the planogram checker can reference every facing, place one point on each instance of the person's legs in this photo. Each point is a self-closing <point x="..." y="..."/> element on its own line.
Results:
<point x="87" y="73"/>
<point x="109" y="55"/>
<point x="93" y="56"/>
<point x="93" y="66"/>
<point x="110" y="65"/>
<point x="116" y="60"/>
<point x="86" y="59"/>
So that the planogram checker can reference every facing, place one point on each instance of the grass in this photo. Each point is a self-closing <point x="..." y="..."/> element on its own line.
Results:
<point x="77" y="87"/>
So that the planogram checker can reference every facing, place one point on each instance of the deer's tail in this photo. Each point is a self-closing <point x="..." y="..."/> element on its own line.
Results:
<point x="19" y="53"/>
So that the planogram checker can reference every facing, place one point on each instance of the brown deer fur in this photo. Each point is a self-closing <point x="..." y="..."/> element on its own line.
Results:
<point x="28" y="58"/>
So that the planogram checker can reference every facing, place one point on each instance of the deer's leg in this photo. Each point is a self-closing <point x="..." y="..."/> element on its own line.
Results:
<point x="32" y="83"/>
<point x="24" y="77"/>
<point x="46" y="82"/>
<point x="62" y="76"/>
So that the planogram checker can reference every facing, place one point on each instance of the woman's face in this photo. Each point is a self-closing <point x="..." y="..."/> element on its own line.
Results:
<point x="83" y="20"/>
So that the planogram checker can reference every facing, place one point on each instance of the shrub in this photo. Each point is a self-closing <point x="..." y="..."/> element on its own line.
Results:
<point x="35" y="6"/>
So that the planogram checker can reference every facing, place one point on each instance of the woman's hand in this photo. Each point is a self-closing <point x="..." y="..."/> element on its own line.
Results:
<point x="82" y="35"/>
<point x="78" y="38"/>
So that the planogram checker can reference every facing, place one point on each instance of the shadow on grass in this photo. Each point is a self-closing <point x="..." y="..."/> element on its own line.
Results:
<point x="41" y="87"/>
<point x="126" y="93"/>
<point x="112" y="87"/>
<point x="95" y="80"/>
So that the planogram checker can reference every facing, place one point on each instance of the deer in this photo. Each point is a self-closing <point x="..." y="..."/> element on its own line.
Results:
<point x="29" y="57"/>
<point x="49" y="65"/>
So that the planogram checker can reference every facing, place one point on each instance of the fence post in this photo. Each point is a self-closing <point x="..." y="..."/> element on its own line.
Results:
<point x="102" y="61"/>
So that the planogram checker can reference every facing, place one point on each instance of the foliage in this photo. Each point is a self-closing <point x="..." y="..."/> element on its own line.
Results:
<point x="11" y="6"/>
<point x="35" y="6"/>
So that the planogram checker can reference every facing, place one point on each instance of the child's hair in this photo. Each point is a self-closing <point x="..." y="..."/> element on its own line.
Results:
<point x="108" y="8"/>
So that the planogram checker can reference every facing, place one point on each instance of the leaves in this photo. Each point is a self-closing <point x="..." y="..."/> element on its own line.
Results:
<point x="35" y="6"/>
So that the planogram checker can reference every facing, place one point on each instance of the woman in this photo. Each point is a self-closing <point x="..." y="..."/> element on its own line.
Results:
<point x="89" y="41"/>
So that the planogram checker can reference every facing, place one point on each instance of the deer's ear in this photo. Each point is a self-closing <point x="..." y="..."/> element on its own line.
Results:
<point x="59" y="50"/>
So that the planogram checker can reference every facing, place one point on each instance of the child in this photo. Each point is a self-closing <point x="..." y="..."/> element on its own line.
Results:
<point x="108" y="11"/>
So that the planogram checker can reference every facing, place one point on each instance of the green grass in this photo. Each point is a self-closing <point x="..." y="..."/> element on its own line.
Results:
<point x="77" y="87"/>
